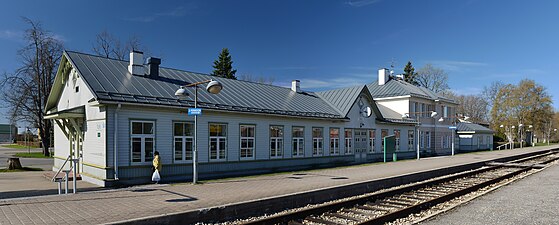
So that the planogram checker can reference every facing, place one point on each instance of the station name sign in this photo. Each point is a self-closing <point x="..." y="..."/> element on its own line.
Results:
<point x="194" y="111"/>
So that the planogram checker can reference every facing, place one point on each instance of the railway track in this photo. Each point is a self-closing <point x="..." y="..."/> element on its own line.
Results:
<point x="386" y="206"/>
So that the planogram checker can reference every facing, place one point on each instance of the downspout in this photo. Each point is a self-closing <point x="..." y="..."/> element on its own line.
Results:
<point x="115" y="141"/>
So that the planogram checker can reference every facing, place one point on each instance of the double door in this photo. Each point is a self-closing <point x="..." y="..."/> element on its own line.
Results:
<point x="360" y="145"/>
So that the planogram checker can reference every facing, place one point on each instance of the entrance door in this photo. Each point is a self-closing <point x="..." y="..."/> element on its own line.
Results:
<point x="360" y="145"/>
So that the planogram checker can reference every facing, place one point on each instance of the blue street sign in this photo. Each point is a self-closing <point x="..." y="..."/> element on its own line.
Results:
<point x="194" y="111"/>
<point x="452" y="127"/>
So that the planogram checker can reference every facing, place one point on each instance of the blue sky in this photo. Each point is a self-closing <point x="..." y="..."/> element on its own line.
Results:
<point x="325" y="44"/>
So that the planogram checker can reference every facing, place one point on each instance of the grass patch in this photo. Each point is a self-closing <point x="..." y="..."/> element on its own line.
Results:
<point x="24" y="169"/>
<point x="31" y="155"/>
<point x="15" y="146"/>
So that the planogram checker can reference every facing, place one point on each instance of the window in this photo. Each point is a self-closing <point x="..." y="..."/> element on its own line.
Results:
<point x="428" y="139"/>
<point x="372" y="135"/>
<point x="445" y="111"/>
<point x="422" y="139"/>
<point x="142" y="141"/>
<point x="298" y="141"/>
<point x="276" y="141"/>
<point x="334" y="141"/>
<point x="183" y="140"/>
<point x="77" y="89"/>
<point x="247" y="141"/>
<point x="348" y="141"/>
<point x="383" y="133"/>
<point x="397" y="138"/>
<point x="317" y="141"/>
<point x="218" y="141"/>
<point x="443" y="144"/>
<point x="410" y="139"/>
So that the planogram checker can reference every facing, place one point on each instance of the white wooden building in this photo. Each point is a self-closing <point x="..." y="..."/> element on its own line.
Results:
<point x="113" y="115"/>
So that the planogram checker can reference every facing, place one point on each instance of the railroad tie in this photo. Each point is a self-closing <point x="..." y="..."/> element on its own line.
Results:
<point x="323" y="221"/>
<point x="342" y="216"/>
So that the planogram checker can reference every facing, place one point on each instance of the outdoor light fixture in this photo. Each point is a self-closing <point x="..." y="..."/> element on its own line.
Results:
<point x="213" y="87"/>
<point x="433" y="114"/>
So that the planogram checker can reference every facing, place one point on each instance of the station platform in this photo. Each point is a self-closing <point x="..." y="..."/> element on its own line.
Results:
<point x="148" y="203"/>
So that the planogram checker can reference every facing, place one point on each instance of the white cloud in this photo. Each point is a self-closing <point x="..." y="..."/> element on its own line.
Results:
<point x="336" y="82"/>
<point x="11" y="35"/>
<point x="451" y="65"/>
<point x="175" y="12"/>
<point x="468" y="91"/>
<point x="361" y="3"/>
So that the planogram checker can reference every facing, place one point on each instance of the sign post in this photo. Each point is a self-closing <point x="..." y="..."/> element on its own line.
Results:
<point x="453" y="128"/>
<point x="195" y="111"/>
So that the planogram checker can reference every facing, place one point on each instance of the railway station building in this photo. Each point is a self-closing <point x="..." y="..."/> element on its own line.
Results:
<point x="114" y="114"/>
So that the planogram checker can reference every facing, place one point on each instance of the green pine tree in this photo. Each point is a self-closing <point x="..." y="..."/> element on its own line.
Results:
<point x="410" y="75"/>
<point x="223" y="66"/>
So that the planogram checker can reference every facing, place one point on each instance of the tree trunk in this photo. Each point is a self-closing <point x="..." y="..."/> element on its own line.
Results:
<point x="13" y="163"/>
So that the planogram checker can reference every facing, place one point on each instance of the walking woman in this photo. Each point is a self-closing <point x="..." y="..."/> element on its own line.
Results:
<point x="157" y="167"/>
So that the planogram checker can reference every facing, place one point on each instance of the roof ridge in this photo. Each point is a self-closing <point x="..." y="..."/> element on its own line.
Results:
<point x="176" y="69"/>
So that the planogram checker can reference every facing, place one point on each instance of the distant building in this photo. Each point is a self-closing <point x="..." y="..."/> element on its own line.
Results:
<point x="473" y="137"/>
<point x="114" y="114"/>
<point x="7" y="135"/>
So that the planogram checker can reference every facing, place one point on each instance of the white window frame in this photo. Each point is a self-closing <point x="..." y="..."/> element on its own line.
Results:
<point x="334" y="142"/>
<point x="276" y="143"/>
<point x="422" y="139"/>
<point x="411" y="139"/>
<point x="318" y="142"/>
<point x="219" y="140"/>
<point x="382" y="138"/>
<point x="298" y="143"/>
<point x="348" y="143"/>
<point x="372" y="140"/>
<point x="428" y="139"/>
<point x="184" y="139"/>
<point x="142" y="138"/>
<point x="249" y="151"/>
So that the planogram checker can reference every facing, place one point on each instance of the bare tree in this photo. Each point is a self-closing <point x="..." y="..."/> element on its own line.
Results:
<point x="473" y="106"/>
<point x="432" y="78"/>
<point x="107" y="45"/>
<point x="489" y="93"/>
<point x="26" y="91"/>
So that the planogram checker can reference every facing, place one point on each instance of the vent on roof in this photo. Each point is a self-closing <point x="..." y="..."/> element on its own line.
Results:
<point x="295" y="86"/>
<point x="153" y="67"/>
<point x="383" y="76"/>
<point x="136" y="66"/>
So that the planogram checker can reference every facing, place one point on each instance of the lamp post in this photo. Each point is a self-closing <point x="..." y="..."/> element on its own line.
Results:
<point x="213" y="87"/>
<point x="407" y="115"/>
<point x="520" y="132"/>
<point x="433" y="115"/>
<point x="28" y="140"/>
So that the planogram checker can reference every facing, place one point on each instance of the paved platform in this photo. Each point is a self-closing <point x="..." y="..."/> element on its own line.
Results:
<point x="532" y="200"/>
<point x="151" y="200"/>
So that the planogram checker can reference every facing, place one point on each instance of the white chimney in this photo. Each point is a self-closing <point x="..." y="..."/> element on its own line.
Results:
<point x="295" y="86"/>
<point x="383" y="76"/>
<point x="136" y="66"/>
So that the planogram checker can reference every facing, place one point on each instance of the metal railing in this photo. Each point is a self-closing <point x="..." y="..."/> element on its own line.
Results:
<point x="505" y="145"/>
<point x="66" y="176"/>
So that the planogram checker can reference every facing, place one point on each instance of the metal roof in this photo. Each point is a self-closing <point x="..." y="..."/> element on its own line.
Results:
<point x="341" y="99"/>
<point x="394" y="87"/>
<point x="110" y="81"/>
<point x="472" y="128"/>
